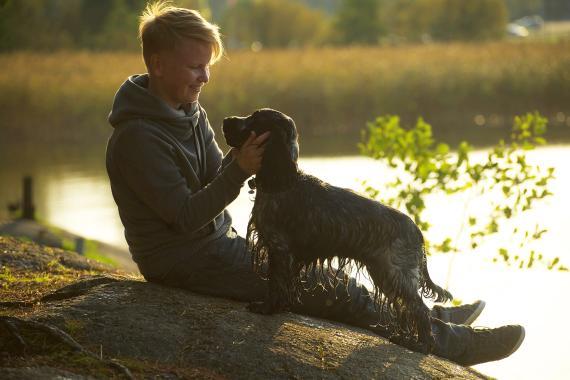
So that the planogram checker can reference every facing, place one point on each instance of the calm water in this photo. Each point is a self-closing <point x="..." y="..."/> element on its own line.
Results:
<point x="71" y="191"/>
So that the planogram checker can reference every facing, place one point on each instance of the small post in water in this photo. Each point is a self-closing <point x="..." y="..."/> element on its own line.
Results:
<point x="80" y="245"/>
<point x="28" y="209"/>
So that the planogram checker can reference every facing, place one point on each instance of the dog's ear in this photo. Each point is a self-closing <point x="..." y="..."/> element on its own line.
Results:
<point x="277" y="166"/>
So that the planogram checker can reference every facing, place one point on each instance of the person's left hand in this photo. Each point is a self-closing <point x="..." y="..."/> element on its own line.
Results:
<point x="250" y="154"/>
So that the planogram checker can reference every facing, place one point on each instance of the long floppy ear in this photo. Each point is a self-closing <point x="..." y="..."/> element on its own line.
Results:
<point x="278" y="169"/>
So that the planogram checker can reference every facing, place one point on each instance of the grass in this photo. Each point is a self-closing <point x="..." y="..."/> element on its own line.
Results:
<point x="6" y="277"/>
<point x="66" y="96"/>
<point x="90" y="251"/>
<point x="27" y="283"/>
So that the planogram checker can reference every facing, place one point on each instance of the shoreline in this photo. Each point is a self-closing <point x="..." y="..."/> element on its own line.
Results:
<point x="57" y="237"/>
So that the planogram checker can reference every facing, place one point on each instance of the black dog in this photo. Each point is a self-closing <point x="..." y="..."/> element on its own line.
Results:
<point x="299" y="223"/>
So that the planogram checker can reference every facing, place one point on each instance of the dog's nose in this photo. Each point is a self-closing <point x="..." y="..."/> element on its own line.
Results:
<point x="233" y="122"/>
<point x="233" y="128"/>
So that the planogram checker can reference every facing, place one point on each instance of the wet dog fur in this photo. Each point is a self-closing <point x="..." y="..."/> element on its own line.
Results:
<point x="299" y="224"/>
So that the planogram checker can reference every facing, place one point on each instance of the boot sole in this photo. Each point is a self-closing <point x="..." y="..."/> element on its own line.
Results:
<point x="519" y="342"/>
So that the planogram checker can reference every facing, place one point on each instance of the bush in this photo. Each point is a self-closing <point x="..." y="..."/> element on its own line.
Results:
<point x="425" y="167"/>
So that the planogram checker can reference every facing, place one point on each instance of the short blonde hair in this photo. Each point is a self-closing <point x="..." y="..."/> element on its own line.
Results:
<point x="162" y="26"/>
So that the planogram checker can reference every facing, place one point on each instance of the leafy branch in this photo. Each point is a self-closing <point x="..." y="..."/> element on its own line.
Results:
<point x="425" y="167"/>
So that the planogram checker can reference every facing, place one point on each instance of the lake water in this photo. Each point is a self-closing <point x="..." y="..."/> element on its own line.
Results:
<point x="72" y="192"/>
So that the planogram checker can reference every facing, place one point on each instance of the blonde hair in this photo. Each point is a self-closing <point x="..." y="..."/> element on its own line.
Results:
<point x="162" y="26"/>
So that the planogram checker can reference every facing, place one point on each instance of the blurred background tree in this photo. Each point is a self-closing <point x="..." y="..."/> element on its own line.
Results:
<point x="74" y="24"/>
<point x="118" y="30"/>
<point x="40" y="24"/>
<point x="520" y="8"/>
<point x="273" y="23"/>
<point x="358" y="21"/>
<point x="468" y="20"/>
<point x="111" y="24"/>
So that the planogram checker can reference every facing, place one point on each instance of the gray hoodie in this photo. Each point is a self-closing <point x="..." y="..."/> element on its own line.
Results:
<point x="167" y="177"/>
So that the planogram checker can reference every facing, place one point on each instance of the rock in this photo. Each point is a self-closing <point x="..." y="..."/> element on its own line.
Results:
<point x="39" y="373"/>
<point x="31" y="230"/>
<point x="53" y="237"/>
<point x="173" y="333"/>
<point x="19" y="255"/>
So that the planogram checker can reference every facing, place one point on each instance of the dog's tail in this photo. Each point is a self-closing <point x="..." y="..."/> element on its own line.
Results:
<point x="428" y="287"/>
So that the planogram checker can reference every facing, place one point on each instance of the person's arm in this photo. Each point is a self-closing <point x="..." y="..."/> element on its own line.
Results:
<point x="228" y="157"/>
<point x="152" y="171"/>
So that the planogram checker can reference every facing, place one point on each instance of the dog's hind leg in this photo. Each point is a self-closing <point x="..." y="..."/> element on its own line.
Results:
<point x="416" y="321"/>
<point x="400" y="287"/>
<point x="420" y="318"/>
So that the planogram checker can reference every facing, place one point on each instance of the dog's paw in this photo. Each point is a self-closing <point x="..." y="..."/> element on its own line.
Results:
<point x="427" y="342"/>
<point x="260" y="307"/>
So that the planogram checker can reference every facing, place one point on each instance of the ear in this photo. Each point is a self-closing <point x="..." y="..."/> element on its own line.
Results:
<point x="277" y="167"/>
<point x="156" y="65"/>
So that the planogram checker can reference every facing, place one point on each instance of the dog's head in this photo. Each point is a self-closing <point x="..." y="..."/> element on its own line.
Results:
<point x="279" y="163"/>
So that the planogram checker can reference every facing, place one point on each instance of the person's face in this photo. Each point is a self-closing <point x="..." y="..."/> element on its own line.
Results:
<point x="183" y="72"/>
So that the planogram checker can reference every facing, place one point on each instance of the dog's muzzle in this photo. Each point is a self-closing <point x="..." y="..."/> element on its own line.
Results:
<point x="234" y="131"/>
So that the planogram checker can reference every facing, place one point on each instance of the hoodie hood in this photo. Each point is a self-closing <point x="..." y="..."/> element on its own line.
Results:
<point x="134" y="101"/>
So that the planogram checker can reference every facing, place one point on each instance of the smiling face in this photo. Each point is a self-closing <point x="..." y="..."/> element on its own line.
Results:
<point x="177" y="76"/>
<point x="237" y="129"/>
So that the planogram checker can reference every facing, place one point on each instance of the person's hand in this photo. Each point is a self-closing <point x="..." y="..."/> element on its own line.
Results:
<point x="250" y="154"/>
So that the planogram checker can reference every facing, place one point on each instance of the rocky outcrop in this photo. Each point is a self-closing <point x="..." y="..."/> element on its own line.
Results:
<point x="108" y="325"/>
<point x="54" y="237"/>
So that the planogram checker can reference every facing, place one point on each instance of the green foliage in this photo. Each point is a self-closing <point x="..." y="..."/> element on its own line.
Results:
<point x="272" y="24"/>
<point x="520" y="8"/>
<point x="369" y="21"/>
<point x="112" y="24"/>
<point x="37" y="24"/>
<point x="425" y="167"/>
<point x="470" y="20"/>
<point x="119" y="31"/>
<point x="446" y="20"/>
<point x="358" y="22"/>
<point x="74" y="24"/>
<point x="93" y="252"/>
<point x="409" y="19"/>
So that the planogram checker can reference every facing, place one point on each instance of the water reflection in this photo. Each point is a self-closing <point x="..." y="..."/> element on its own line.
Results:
<point x="83" y="205"/>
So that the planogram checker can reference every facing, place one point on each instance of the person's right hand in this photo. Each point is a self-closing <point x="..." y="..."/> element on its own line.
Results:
<point x="250" y="154"/>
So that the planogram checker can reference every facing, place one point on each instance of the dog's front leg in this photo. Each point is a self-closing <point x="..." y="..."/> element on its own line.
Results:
<point x="281" y="290"/>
